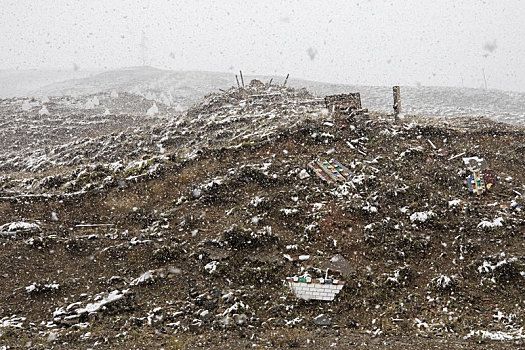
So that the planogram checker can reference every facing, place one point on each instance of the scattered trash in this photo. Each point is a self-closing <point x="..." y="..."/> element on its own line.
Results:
<point x="304" y="174"/>
<point x="331" y="171"/>
<point x="481" y="178"/>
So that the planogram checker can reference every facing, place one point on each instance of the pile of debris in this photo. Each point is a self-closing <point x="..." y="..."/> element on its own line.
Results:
<point x="481" y="178"/>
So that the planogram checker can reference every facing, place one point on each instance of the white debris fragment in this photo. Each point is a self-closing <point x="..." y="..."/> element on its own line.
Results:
<point x="43" y="111"/>
<point x="145" y="277"/>
<point x="31" y="288"/>
<point x="26" y="106"/>
<point x="420" y="324"/>
<point x="442" y="281"/>
<point x="303" y="174"/>
<point x="454" y="203"/>
<point x="92" y="307"/>
<point x="89" y="104"/>
<point x="304" y="257"/>
<point x="497" y="222"/>
<point x="153" y="110"/>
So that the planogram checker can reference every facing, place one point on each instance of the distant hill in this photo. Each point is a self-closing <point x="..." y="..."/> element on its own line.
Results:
<point x="20" y="83"/>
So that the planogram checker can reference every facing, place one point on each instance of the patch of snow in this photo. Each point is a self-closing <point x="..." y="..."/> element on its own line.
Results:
<point x="497" y="222"/>
<point x="421" y="216"/>
<point x="113" y="296"/>
<point x="498" y="335"/>
<point x="19" y="226"/>
<point x="13" y="321"/>
<point x="212" y="266"/>
<point x="145" y="277"/>
<point x="487" y="267"/>
<point x="288" y="211"/>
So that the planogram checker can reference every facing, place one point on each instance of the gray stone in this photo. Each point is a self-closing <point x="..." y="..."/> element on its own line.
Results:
<point x="322" y="321"/>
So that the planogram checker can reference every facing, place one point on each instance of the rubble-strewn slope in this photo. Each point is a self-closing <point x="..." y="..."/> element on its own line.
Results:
<point x="178" y="88"/>
<point x="190" y="247"/>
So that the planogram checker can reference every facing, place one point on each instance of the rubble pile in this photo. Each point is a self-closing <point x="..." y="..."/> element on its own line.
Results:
<point x="194" y="246"/>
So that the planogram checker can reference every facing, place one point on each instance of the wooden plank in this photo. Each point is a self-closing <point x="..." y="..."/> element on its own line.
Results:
<point x="319" y="172"/>
<point x="397" y="100"/>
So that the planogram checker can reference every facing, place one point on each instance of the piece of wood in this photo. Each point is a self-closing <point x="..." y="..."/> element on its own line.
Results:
<point x="286" y="80"/>
<point x="320" y="172"/>
<point x="397" y="100"/>
<point x="236" y="78"/>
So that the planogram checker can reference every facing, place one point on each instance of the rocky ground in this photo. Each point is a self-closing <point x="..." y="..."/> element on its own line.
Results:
<point x="181" y="234"/>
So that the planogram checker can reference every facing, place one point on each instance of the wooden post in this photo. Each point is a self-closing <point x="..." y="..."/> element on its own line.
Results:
<point x="397" y="101"/>
<point x="242" y="79"/>
<point x="285" y="80"/>
<point x="238" y="85"/>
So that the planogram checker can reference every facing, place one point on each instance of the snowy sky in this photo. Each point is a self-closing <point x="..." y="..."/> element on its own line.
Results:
<point x="374" y="42"/>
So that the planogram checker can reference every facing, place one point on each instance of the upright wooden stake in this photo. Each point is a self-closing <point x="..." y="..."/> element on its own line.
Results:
<point x="285" y="80"/>
<point x="242" y="79"/>
<point x="238" y="85"/>
<point x="397" y="101"/>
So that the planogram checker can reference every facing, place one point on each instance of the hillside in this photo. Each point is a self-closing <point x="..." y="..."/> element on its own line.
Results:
<point x="180" y="233"/>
